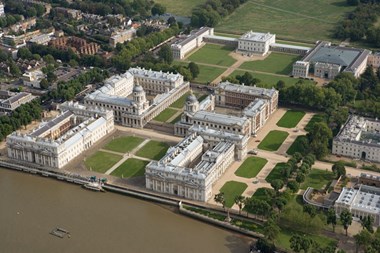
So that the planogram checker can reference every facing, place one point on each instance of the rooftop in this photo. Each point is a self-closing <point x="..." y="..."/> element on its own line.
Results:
<point x="258" y="37"/>
<point x="221" y="119"/>
<point x="366" y="198"/>
<point x="252" y="90"/>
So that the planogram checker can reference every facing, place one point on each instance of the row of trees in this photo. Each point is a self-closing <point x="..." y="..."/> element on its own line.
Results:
<point x="9" y="20"/>
<point x="246" y="79"/>
<point x="26" y="9"/>
<point x="210" y="13"/>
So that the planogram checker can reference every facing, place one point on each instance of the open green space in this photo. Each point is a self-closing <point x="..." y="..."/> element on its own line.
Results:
<point x="132" y="167"/>
<point x="179" y="103"/>
<point x="154" y="150"/>
<point x="315" y="119"/>
<point x="181" y="7"/>
<point x="268" y="80"/>
<point x="208" y="74"/>
<point x="231" y="189"/>
<point x="318" y="179"/>
<point x="277" y="63"/>
<point x="123" y="144"/>
<point x="251" y="167"/>
<point x="296" y="146"/>
<point x="213" y="54"/>
<point x="273" y="140"/>
<point x="275" y="173"/>
<point x="288" y="19"/>
<point x="176" y="119"/>
<point x="290" y="119"/>
<point x="165" y="115"/>
<point x="101" y="161"/>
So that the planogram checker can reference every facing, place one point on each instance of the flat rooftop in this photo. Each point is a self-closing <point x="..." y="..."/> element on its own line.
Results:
<point x="255" y="36"/>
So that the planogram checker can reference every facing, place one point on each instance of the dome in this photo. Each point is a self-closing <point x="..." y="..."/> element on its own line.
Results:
<point x="191" y="98"/>
<point x="138" y="88"/>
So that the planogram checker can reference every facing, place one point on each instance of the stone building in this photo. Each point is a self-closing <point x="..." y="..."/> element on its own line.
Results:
<point x="57" y="142"/>
<point x="122" y="36"/>
<point x="78" y="45"/>
<point x="374" y="60"/>
<point x="10" y="101"/>
<point x="255" y="43"/>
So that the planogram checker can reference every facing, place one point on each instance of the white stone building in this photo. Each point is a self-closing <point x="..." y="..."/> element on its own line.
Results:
<point x="122" y="36"/>
<point x="194" y="40"/>
<point x="359" y="138"/>
<point x="300" y="69"/>
<point x="374" y="60"/>
<point x="256" y="43"/>
<point x="176" y="173"/>
<point x="57" y="142"/>
<point x="9" y="101"/>
<point x="33" y="78"/>
<point x="361" y="202"/>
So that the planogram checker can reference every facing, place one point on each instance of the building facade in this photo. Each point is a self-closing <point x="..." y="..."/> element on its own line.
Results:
<point x="255" y="43"/>
<point x="301" y="69"/>
<point x="122" y="36"/>
<point x="78" y="45"/>
<point x="359" y="138"/>
<point x="10" y="101"/>
<point x="57" y="142"/>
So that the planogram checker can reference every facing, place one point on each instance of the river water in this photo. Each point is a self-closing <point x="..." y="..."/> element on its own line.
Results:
<point x="31" y="206"/>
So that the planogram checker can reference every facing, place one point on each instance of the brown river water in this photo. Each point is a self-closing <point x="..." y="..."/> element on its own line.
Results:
<point x="32" y="206"/>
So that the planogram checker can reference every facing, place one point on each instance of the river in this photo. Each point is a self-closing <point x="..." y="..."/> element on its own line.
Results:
<point x="31" y="206"/>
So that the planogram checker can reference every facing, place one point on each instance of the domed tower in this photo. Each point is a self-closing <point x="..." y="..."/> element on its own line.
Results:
<point x="141" y="104"/>
<point x="192" y="104"/>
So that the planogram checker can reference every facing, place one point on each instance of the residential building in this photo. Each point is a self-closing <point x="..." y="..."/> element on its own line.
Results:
<point x="255" y="43"/>
<point x="374" y="60"/>
<point x="122" y="36"/>
<point x="9" y="101"/>
<point x="57" y="142"/>
<point x="33" y="78"/>
<point x="78" y="45"/>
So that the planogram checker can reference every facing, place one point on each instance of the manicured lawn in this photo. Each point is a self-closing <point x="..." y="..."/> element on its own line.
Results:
<point x="180" y="102"/>
<point x="273" y="140"/>
<point x="154" y="150"/>
<point x="286" y="18"/>
<point x="318" y="179"/>
<point x="315" y="119"/>
<point x="176" y="119"/>
<point x="268" y="80"/>
<point x="213" y="54"/>
<point x="181" y="7"/>
<point x="101" y="161"/>
<point x="208" y="74"/>
<point x="231" y="189"/>
<point x="290" y="119"/>
<point x="296" y="146"/>
<point x="275" y="173"/>
<point x="123" y="144"/>
<point x="251" y="167"/>
<point x="165" y="115"/>
<point x="130" y="168"/>
<point x="276" y="63"/>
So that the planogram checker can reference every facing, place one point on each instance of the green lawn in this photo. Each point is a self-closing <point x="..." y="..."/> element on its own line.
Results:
<point x="123" y="144"/>
<point x="296" y="146"/>
<point x="154" y="150"/>
<point x="213" y="54"/>
<point x="268" y="80"/>
<point x="318" y="179"/>
<point x="251" y="167"/>
<point x="101" y="161"/>
<point x="165" y="115"/>
<point x="132" y="167"/>
<point x="208" y="74"/>
<point x="275" y="173"/>
<point x="290" y="119"/>
<point x="277" y="63"/>
<point x="179" y="103"/>
<point x="273" y="140"/>
<point x="286" y="18"/>
<point x="315" y="119"/>
<point x="176" y="119"/>
<point x="181" y="8"/>
<point x="231" y="189"/>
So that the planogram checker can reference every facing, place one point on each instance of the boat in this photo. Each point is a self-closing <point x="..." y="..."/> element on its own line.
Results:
<point x="95" y="186"/>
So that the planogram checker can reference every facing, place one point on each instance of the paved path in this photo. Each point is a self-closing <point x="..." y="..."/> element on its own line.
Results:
<point x="149" y="133"/>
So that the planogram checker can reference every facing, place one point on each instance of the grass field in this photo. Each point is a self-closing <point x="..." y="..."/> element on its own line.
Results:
<point x="295" y="147"/>
<point x="213" y="54"/>
<point x="316" y="118"/>
<point x="289" y="19"/>
<point x="290" y="119"/>
<point x="208" y="73"/>
<point x="231" y="189"/>
<point x="173" y="121"/>
<point x="251" y="167"/>
<point x="179" y="103"/>
<point x="132" y="167"/>
<point x="318" y="179"/>
<point x="273" y="140"/>
<point x="276" y="63"/>
<point x="154" y="150"/>
<point x="270" y="80"/>
<point x="123" y="144"/>
<point x="165" y="115"/>
<point x="181" y="8"/>
<point x="101" y="161"/>
<point x="275" y="173"/>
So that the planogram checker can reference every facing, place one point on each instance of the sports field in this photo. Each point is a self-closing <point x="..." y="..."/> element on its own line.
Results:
<point x="290" y="119"/>
<point x="180" y="7"/>
<point x="251" y="167"/>
<point x="273" y="140"/>
<point x="213" y="54"/>
<point x="276" y="63"/>
<point x="132" y="167"/>
<point x="290" y="19"/>
<point x="231" y="189"/>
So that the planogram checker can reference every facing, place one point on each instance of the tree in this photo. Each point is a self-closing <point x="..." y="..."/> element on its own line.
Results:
<point x="319" y="138"/>
<point x="271" y="230"/>
<point x="44" y="84"/>
<point x="309" y="209"/>
<point x="166" y="54"/>
<point x="293" y="186"/>
<point x="331" y="218"/>
<point x="353" y="2"/>
<point x="364" y="238"/>
<point x="300" y="177"/>
<point x="219" y="198"/>
<point x="280" y="85"/>
<point x="239" y="201"/>
<point x="158" y="9"/>
<point x="346" y="219"/>
<point x="265" y="246"/>
<point x="295" y="243"/>
<point x="194" y="69"/>
<point x="339" y="170"/>
<point x="367" y="223"/>
<point x="277" y="184"/>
